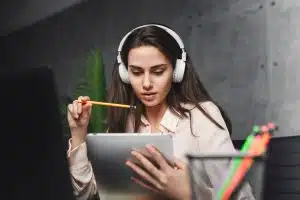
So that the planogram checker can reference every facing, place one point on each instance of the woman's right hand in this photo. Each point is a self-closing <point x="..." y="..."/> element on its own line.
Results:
<point x="78" y="117"/>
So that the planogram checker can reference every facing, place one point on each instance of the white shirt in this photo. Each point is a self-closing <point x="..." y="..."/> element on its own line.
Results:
<point x="206" y="138"/>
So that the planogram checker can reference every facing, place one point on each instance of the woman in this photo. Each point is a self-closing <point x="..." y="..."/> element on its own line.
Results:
<point x="154" y="72"/>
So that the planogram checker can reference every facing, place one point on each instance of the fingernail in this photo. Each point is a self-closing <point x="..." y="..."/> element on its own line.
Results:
<point x="150" y="148"/>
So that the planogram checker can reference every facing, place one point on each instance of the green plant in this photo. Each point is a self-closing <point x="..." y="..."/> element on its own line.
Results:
<point x="93" y="84"/>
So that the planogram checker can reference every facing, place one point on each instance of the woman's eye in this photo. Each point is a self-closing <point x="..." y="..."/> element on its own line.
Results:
<point x="136" y="72"/>
<point x="158" y="72"/>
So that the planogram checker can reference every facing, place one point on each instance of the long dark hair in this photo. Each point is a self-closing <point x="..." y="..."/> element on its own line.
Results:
<point x="190" y="90"/>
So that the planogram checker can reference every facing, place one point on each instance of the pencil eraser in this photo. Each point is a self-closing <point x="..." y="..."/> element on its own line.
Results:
<point x="264" y="129"/>
<point x="272" y="126"/>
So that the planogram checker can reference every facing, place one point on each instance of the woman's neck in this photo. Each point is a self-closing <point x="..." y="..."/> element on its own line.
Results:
<point x="155" y="114"/>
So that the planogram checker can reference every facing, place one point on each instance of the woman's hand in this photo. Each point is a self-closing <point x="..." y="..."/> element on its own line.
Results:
<point x="78" y="119"/>
<point x="169" y="181"/>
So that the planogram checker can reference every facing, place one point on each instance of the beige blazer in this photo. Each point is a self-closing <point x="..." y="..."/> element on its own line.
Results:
<point x="209" y="139"/>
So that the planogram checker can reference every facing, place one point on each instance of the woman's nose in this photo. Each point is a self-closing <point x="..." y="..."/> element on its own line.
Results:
<point x="147" y="84"/>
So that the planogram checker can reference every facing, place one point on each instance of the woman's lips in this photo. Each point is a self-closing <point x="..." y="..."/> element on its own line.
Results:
<point x="149" y="96"/>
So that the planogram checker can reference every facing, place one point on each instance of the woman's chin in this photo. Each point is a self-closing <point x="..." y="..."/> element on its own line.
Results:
<point x="150" y="103"/>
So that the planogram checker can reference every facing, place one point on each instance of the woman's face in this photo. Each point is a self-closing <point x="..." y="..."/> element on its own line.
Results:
<point x="150" y="74"/>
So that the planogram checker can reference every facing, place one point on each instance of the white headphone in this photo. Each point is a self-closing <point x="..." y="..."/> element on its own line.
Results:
<point x="180" y="63"/>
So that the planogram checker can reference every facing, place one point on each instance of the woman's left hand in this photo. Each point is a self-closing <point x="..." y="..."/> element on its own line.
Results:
<point x="167" y="180"/>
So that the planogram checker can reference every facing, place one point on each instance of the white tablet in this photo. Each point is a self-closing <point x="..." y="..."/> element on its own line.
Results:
<point x="108" y="153"/>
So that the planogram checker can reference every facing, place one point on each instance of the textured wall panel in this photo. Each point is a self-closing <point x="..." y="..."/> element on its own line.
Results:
<point x="284" y="64"/>
<point x="227" y="42"/>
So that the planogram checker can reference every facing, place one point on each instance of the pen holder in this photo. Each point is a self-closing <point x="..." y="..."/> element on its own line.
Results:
<point x="202" y="176"/>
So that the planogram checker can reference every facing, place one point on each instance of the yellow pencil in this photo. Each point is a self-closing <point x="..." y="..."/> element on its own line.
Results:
<point x="109" y="104"/>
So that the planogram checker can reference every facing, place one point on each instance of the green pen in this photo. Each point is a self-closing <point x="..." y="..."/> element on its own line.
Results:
<point x="237" y="161"/>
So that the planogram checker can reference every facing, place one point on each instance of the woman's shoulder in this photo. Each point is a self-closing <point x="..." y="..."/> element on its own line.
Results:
<point x="209" y="108"/>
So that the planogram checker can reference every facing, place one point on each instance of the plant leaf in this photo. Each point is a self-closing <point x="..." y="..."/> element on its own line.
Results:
<point x="93" y="84"/>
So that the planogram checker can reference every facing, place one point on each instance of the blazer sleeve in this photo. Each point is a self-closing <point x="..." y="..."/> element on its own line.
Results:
<point x="212" y="139"/>
<point x="82" y="176"/>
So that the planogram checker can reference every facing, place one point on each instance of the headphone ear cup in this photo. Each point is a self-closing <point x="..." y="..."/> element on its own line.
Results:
<point x="123" y="73"/>
<point x="178" y="72"/>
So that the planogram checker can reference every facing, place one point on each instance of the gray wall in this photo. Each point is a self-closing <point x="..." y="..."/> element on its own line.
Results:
<point x="231" y="44"/>
<point x="283" y="61"/>
<point x="16" y="14"/>
<point x="228" y="43"/>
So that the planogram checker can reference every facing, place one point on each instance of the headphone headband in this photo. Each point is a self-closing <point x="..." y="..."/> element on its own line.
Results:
<point x="168" y="30"/>
<point x="171" y="32"/>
